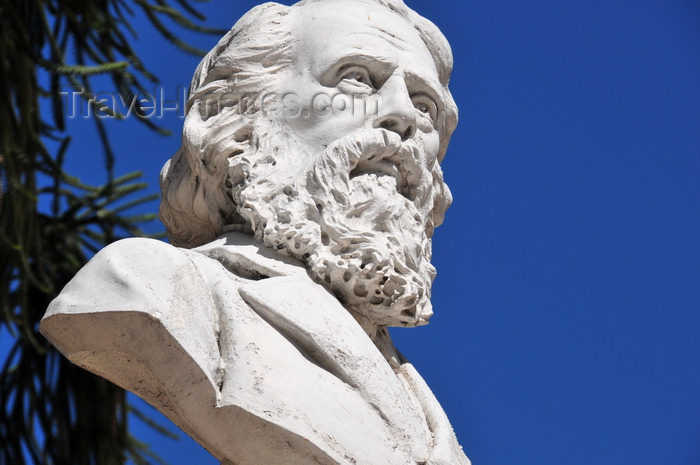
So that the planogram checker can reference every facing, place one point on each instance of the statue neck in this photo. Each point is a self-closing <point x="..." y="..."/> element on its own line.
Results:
<point x="381" y="339"/>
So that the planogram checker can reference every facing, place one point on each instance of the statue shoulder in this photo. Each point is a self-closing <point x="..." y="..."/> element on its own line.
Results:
<point x="132" y="294"/>
<point x="130" y="274"/>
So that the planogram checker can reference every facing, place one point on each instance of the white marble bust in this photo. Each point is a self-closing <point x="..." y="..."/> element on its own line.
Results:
<point x="300" y="208"/>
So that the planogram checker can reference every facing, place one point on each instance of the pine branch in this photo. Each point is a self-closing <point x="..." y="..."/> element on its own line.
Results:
<point x="52" y="412"/>
<point x="83" y="70"/>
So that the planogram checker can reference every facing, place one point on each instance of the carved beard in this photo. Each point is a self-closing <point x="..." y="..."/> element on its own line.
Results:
<point x="359" y="216"/>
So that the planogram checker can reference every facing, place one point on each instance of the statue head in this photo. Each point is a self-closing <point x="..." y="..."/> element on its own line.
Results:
<point x="319" y="129"/>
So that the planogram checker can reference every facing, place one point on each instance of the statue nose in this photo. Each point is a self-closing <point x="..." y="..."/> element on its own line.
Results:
<point x="396" y="112"/>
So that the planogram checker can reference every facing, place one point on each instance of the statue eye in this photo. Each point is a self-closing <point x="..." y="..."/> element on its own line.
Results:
<point x="425" y="105"/>
<point x="356" y="76"/>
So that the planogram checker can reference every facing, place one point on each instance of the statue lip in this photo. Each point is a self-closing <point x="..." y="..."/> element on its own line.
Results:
<point x="386" y="160"/>
<point x="383" y="167"/>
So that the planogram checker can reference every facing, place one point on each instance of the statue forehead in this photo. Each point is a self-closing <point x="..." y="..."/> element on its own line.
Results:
<point x="328" y="30"/>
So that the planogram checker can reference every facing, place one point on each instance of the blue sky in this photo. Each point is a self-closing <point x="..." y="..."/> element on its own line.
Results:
<point x="567" y="303"/>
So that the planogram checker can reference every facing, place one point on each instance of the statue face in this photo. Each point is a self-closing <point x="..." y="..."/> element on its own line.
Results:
<point x="362" y="66"/>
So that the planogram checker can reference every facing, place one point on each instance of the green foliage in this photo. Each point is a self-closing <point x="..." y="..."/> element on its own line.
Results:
<point x="52" y="412"/>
